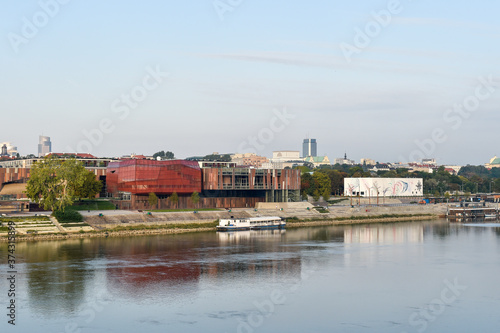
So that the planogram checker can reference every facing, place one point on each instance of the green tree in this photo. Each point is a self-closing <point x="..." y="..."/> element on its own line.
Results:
<point x="326" y="195"/>
<point x="164" y="155"/>
<point x="322" y="182"/>
<point x="56" y="183"/>
<point x="86" y="185"/>
<point x="195" y="198"/>
<point x="303" y="169"/>
<point x="45" y="186"/>
<point x="316" y="195"/>
<point x="174" y="198"/>
<point x="336" y="180"/>
<point x="153" y="199"/>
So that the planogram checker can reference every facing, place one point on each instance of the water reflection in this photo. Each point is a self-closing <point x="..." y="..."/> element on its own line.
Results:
<point x="61" y="274"/>
<point x="57" y="274"/>
<point x="386" y="234"/>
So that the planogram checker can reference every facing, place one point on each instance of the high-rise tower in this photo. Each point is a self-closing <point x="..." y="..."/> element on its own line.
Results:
<point x="44" y="146"/>
<point x="309" y="148"/>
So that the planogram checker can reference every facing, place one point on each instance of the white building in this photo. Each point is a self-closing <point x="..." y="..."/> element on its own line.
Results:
<point x="343" y="161"/>
<point x="11" y="150"/>
<point x="44" y="146"/>
<point x="286" y="155"/>
<point x="368" y="161"/>
<point x="383" y="187"/>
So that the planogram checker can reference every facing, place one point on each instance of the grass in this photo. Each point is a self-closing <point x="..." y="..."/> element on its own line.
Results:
<point x="92" y="205"/>
<point x="184" y="210"/>
<point x="334" y="201"/>
<point x="4" y="229"/>
<point x="24" y="219"/>
<point x="67" y="216"/>
<point x="321" y="210"/>
<point x="34" y="226"/>
<point x="70" y="225"/>
<point x="166" y="226"/>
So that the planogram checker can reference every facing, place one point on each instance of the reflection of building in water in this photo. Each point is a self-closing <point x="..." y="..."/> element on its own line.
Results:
<point x="146" y="265"/>
<point x="407" y="233"/>
<point x="252" y="253"/>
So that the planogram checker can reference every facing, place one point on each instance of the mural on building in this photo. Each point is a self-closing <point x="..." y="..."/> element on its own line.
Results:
<point x="383" y="187"/>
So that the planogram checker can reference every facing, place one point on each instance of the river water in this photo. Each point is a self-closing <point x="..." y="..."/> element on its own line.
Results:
<point x="429" y="276"/>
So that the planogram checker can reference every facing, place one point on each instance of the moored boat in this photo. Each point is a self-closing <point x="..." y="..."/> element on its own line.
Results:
<point x="252" y="223"/>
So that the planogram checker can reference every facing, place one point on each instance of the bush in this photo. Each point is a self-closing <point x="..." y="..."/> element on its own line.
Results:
<point x="68" y="216"/>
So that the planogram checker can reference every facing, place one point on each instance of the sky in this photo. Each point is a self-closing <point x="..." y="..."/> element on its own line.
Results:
<point x="387" y="80"/>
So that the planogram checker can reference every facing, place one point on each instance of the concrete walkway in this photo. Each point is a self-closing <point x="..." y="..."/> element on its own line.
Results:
<point x="57" y="224"/>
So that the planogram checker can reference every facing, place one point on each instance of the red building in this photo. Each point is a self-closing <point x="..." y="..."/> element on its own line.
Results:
<point x="131" y="181"/>
<point x="150" y="176"/>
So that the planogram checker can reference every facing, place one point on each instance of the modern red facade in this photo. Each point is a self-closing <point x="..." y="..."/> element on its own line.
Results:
<point x="130" y="181"/>
<point x="149" y="176"/>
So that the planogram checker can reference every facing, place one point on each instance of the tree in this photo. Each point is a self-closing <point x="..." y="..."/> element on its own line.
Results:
<point x="307" y="184"/>
<point x="55" y="183"/>
<point x="195" y="198"/>
<point x="86" y="184"/>
<point x="322" y="182"/>
<point x="326" y="195"/>
<point x="174" y="198"/>
<point x="316" y="195"/>
<point x="152" y="199"/>
<point x="164" y="155"/>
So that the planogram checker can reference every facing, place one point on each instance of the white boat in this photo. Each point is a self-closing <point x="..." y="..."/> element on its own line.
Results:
<point x="252" y="223"/>
<point x="490" y="216"/>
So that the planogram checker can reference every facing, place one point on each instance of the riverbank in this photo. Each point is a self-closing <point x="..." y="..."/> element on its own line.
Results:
<point x="364" y="220"/>
<point x="179" y="228"/>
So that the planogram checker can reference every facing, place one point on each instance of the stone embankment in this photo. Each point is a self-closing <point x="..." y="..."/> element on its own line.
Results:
<point x="299" y="215"/>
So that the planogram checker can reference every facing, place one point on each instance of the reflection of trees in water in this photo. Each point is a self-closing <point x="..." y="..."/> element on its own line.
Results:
<point x="56" y="275"/>
<point x="441" y="230"/>
<point x="328" y="234"/>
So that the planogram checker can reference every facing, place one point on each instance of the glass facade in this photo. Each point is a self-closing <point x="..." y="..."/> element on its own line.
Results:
<point x="160" y="177"/>
<point x="309" y="148"/>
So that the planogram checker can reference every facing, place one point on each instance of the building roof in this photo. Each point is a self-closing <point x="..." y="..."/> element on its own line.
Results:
<point x="79" y="155"/>
<point x="317" y="159"/>
<point x="495" y="160"/>
<point x="13" y="189"/>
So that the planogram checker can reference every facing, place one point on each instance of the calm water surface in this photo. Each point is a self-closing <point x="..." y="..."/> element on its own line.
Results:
<point x="405" y="277"/>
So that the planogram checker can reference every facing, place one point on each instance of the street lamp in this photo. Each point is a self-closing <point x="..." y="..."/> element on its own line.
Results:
<point x="492" y="181"/>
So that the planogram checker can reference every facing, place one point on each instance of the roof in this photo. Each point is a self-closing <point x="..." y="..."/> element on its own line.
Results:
<point x="316" y="159"/>
<point x="495" y="160"/>
<point x="155" y="163"/>
<point x="13" y="189"/>
<point x="80" y="155"/>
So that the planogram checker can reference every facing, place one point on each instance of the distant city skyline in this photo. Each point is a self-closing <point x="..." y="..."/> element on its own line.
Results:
<point x="390" y="81"/>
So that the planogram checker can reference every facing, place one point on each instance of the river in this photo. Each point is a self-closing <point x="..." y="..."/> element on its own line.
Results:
<point x="430" y="276"/>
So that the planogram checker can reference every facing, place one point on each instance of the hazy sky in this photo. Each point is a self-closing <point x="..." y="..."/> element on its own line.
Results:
<point x="372" y="78"/>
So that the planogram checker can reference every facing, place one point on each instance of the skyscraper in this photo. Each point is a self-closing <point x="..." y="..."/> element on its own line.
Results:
<point x="309" y="148"/>
<point x="44" y="146"/>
